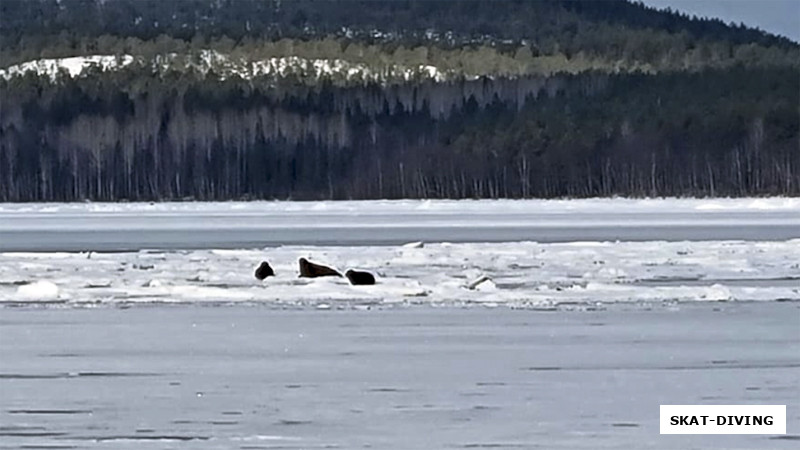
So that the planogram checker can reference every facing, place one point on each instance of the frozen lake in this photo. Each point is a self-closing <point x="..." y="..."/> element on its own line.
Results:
<point x="133" y="226"/>
<point x="517" y="324"/>
<point x="256" y="377"/>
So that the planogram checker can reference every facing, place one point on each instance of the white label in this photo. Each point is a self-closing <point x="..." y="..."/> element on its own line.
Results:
<point x="723" y="419"/>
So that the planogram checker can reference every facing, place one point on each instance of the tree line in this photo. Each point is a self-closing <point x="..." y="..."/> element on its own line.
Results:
<point x="124" y="136"/>
<point x="612" y="30"/>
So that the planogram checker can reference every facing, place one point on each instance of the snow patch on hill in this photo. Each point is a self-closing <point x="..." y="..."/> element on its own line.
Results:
<point x="225" y="66"/>
<point x="72" y="67"/>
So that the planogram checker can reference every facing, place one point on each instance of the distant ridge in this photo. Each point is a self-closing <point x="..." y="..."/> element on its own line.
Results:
<point x="227" y="99"/>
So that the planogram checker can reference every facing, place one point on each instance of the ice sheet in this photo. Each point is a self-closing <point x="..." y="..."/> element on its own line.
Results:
<point x="193" y="377"/>
<point x="371" y="207"/>
<point x="190" y="225"/>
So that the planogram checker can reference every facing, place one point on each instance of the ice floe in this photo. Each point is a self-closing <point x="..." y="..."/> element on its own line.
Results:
<point x="41" y="290"/>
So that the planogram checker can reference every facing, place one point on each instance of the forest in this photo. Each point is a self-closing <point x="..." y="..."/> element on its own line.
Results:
<point x="227" y="99"/>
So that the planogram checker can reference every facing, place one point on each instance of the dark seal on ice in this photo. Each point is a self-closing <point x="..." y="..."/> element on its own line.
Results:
<point x="311" y="270"/>
<point x="264" y="271"/>
<point x="358" y="278"/>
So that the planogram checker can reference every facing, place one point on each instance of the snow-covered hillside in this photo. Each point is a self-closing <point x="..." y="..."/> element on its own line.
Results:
<point x="225" y="66"/>
<point x="72" y="67"/>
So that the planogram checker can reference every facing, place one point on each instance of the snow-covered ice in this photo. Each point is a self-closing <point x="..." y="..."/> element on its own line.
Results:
<point x="134" y="226"/>
<point x="252" y="377"/>
<point x="41" y="290"/>
<point x="493" y="324"/>
<point x="430" y="260"/>
<point x="518" y="274"/>
<point x="372" y="207"/>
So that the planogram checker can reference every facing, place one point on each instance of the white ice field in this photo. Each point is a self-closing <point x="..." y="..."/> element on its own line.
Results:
<point x="589" y="315"/>
<point x="517" y="274"/>
<point x="608" y="206"/>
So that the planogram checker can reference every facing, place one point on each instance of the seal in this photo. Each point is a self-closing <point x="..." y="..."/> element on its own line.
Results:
<point x="264" y="271"/>
<point x="311" y="270"/>
<point x="358" y="278"/>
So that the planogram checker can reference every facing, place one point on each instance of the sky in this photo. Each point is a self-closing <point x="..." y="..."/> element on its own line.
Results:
<point x="780" y="17"/>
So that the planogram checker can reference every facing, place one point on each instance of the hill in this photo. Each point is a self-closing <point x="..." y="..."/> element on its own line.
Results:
<point x="221" y="99"/>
